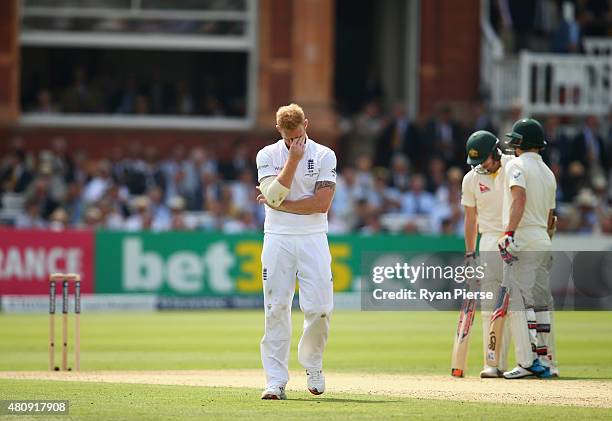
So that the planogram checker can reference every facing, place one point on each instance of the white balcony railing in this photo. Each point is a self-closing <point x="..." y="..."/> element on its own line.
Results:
<point x="598" y="46"/>
<point x="553" y="83"/>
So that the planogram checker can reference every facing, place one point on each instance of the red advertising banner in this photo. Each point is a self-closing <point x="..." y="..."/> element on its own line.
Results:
<point x="28" y="257"/>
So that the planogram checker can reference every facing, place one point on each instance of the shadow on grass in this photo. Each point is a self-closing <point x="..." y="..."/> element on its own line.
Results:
<point x="341" y="400"/>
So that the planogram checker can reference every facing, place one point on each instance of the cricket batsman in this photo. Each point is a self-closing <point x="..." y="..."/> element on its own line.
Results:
<point x="297" y="179"/>
<point x="482" y="197"/>
<point x="525" y="247"/>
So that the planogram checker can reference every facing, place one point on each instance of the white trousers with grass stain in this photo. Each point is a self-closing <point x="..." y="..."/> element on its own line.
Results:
<point x="285" y="258"/>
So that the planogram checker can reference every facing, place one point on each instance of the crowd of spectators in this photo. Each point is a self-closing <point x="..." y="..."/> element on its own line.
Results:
<point x="405" y="174"/>
<point x="550" y="25"/>
<point x="395" y="175"/>
<point x="147" y="95"/>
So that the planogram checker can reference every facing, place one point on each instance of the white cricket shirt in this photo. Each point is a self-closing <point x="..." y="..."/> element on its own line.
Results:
<point x="485" y="192"/>
<point x="317" y="164"/>
<point x="531" y="173"/>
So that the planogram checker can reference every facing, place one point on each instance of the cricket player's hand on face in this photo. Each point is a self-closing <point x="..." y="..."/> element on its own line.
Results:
<point x="508" y="249"/>
<point x="296" y="149"/>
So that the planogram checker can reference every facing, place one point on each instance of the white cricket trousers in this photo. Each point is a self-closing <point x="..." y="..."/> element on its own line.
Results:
<point x="284" y="258"/>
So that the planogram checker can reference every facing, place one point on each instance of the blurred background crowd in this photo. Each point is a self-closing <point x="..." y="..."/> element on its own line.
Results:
<point x="395" y="175"/>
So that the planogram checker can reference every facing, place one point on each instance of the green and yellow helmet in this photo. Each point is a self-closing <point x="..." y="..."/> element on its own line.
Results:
<point x="480" y="145"/>
<point x="527" y="133"/>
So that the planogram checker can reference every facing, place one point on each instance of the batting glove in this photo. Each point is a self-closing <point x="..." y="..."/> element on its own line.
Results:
<point x="471" y="260"/>
<point x="508" y="248"/>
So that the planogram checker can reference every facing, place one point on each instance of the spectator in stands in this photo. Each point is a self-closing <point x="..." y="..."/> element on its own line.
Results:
<point x="372" y="223"/>
<point x="185" y="103"/>
<point x="417" y="201"/>
<point x="99" y="184"/>
<point x="127" y="97"/>
<point x="443" y="136"/>
<point x="337" y="224"/>
<point x="201" y="162"/>
<point x="178" y="220"/>
<point x="15" y="173"/>
<point x="363" y="212"/>
<point x="135" y="170"/>
<point x="73" y="203"/>
<point x="363" y="174"/>
<point x="159" y="94"/>
<point x="600" y="189"/>
<point x="58" y="220"/>
<point x="141" y="105"/>
<point x="153" y="168"/>
<point x="243" y="194"/>
<point x="45" y="103"/>
<point x="80" y="97"/>
<point x="244" y="222"/>
<point x="160" y="213"/>
<point x="586" y="207"/>
<point x="56" y="182"/>
<point x="94" y="219"/>
<point x="348" y="193"/>
<point x="597" y="18"/>
<point x="515" y="113"/>
<point x="212" y="106"/>
<point x="399" y="136"/>
<point x="174" y="171"/>
<point x="216" y="217"/>
<point x="365" y="132"/>
<point x="63" y="163"/>
<point x="141" y="218"/>
<point x="240" y="161"/>
<point x="567" y="36"/>
<point x="381" y="197"/>
<point x="109" y="214"/>
<point x="436" y="175"/>
<point x="400" y="173"/>
<point x="447" y="216"/>
<point x="558" y="151"/>
<point x="588" y="147"/>
<point x="482" y="118"/>
<point x="523" y="15"/>
<point x="40" y="191"/>
<point x="31" y="218"/>
<point x="575" y="180"/>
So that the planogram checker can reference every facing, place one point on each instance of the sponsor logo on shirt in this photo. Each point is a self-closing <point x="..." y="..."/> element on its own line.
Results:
<point x="516" y="174"/>
<point x="483" y="188"/>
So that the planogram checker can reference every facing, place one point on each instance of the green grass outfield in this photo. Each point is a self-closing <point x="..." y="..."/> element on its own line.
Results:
<point x="374" y="342"/>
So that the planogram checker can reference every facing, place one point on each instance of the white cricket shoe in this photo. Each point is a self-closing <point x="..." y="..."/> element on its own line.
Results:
<point x="316" y="381"/>
<point x="519" y="372"/>
<point x="554" y="372"/>
<point x="275" y="393"/>
<point x="491" y="373"/>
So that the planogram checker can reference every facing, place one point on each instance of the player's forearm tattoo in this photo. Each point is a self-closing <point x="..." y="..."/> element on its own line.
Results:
<point x="324" y="184"/>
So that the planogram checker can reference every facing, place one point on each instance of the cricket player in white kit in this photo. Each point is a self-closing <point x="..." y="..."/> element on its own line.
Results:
<point x="529" y="202"/>
<point x="297" y="179"/>
<point x="482" y="197"/>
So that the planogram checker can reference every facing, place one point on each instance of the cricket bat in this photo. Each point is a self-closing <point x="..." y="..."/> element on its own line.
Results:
<point x="496" y="327"/>
<point x="462" y="337"/>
